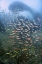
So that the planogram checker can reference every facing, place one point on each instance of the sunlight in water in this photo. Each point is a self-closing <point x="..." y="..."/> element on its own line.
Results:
<point x="34" y="4"/>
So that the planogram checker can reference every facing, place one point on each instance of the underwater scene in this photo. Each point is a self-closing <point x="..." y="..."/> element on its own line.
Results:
<point x="20" y="31"/>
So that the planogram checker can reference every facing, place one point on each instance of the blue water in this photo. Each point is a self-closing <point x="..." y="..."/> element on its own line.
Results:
<point x="20" y="35"/>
